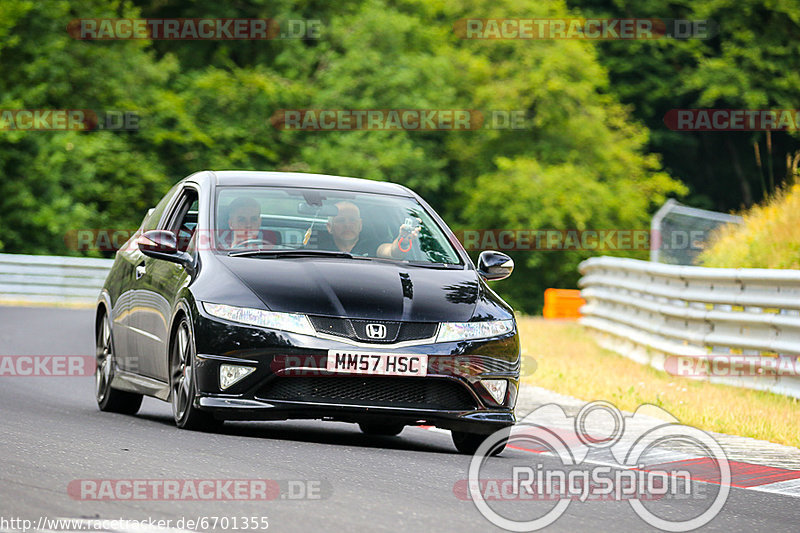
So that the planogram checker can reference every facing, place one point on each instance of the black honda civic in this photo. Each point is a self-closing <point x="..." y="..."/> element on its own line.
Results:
<point x="271" y="296"/>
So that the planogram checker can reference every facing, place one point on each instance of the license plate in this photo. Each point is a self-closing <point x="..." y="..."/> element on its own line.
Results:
<point x="383" y="364"/>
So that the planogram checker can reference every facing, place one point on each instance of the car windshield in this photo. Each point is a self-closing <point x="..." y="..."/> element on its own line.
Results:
<point x="270" y="220"/>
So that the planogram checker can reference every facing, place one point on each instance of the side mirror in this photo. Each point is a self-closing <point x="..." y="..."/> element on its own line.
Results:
<point x="493" y="266"/>
<point x="161" y="244"/>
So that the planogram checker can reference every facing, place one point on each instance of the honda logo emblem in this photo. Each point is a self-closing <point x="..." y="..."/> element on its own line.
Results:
<point x="376" y="331"/>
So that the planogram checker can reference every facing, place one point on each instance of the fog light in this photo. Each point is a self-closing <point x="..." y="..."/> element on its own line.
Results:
<point x="230" y="374"/>
<point x="497" y="388"/>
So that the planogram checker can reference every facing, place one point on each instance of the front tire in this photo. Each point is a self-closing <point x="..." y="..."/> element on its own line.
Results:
<point x="468" y="443"/>
<point x="108" y="399"/>
<point x="182" y="383"/>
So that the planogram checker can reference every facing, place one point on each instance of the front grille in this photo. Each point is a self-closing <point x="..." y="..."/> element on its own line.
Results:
<point x="357" y="329"/>
<point x="412" y="393"/>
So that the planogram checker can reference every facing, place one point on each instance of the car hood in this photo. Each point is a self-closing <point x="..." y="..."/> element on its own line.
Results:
<point x="380" y="290"/>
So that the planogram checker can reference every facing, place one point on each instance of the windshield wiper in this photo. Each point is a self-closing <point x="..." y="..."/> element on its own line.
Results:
<point x="290" y="253"/>
<point x="443" y="266"/>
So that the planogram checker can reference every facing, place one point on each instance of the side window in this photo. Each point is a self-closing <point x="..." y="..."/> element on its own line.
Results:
<point x="151" y="221"/>
<point x="183" y="219"/>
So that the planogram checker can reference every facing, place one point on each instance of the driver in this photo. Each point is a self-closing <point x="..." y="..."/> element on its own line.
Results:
<point x="344" y="232"/>
<point x="244" y="221"/>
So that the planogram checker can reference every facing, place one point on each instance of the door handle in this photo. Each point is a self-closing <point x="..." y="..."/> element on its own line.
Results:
<point x="140" y="271"/>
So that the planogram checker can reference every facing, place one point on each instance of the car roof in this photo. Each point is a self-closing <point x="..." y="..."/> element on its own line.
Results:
<point x="225" y="178"/>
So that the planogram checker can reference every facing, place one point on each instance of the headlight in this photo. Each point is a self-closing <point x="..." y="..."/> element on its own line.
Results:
<point x="462" y="331"/>
<point x="292" y="322"/>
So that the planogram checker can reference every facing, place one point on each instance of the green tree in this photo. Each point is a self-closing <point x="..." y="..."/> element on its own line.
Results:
<point x="54" y="182"/>
<point x="752" y="63"/>
<point x="580" y="163"/>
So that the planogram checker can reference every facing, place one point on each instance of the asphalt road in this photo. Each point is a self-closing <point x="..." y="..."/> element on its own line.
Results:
<point x="53" y="434"/>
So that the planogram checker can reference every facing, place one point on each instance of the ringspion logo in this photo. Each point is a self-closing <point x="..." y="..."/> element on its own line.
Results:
<point x="604" y="456"/>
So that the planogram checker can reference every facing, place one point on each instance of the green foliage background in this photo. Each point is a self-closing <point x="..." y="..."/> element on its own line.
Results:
<point x="597" y="155"/>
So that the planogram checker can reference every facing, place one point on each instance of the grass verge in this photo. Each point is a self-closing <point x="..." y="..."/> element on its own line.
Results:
<point x="568" y="361"/>
<point x="769" y="237"/>
<point x="29" y="303"/>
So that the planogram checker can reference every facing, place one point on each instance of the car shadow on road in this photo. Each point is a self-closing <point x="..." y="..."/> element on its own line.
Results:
<point x="326" y="432"/>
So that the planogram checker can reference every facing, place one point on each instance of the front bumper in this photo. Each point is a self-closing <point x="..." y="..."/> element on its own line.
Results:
<point x="290" y="380"/>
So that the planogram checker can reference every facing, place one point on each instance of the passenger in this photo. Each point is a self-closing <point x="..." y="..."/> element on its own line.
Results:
<point x="344" y="235"/>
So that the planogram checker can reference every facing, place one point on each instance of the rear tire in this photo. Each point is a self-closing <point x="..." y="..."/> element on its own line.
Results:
<point x="182" y="383"/>
<point x="380" y="429"/>
<point x="468" y="443"/>
<point x="108" y="399"/>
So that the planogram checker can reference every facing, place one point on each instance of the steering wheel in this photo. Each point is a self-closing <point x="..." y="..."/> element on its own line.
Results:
<point x="250" y="242"/>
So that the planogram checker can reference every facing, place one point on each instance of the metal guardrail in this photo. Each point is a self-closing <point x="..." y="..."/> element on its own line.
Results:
<point x="651" y="311"/>
<point x="50" y="279"/>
